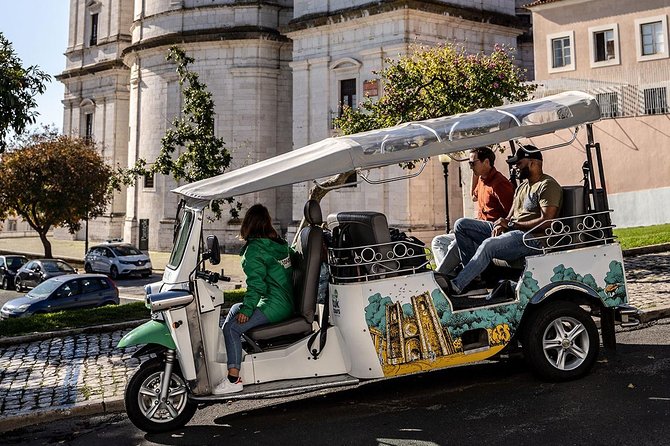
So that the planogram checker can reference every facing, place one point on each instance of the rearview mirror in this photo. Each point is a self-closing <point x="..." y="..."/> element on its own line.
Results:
<point x="213" y="251"/>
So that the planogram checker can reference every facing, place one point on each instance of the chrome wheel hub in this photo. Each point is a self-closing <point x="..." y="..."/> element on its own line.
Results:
<point x="566" y="343"/>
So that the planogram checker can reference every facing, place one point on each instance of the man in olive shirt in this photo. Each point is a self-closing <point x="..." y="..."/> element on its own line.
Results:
<point x="493" y="193"/>
<point x="537" y="200"/>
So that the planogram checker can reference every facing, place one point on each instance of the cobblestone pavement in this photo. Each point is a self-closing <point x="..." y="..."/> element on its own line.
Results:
<point x="62" y="372"/>
<point x="76" y="370"/>
<point x="648" y="281"/>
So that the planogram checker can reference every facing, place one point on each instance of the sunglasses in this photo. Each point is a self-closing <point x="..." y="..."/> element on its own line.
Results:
<point x="472" y="163"/>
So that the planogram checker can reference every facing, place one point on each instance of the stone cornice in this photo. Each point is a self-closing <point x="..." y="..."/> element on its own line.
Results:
<point x="212" y="35"/>
<point x="92" y="69"/>
<point x="381" y="6"/>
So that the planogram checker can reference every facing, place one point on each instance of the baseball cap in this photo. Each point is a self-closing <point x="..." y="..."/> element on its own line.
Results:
<point x="529" y="152"/>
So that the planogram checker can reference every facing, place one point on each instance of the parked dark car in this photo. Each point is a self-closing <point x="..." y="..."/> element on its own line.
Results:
<point x="117" y="259"/>
<point x="37" y="271"/>
<point x="9" y="265"/>
<point x="63" y="293"/>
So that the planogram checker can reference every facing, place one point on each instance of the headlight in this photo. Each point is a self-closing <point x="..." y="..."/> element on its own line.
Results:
<point x="23" y="307"/>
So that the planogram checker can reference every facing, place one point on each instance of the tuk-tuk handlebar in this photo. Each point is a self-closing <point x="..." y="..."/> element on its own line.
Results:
<point x="211" y="277"/>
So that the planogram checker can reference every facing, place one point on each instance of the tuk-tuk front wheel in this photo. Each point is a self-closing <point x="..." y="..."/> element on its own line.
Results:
<point x="143" y="404"/>
<point x="561" y="341"/>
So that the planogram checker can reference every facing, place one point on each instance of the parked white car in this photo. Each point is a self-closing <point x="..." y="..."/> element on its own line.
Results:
<point x="117" y="259"/>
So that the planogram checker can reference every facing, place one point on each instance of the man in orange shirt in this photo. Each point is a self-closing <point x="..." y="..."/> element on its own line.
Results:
<point x="493" y="193"/>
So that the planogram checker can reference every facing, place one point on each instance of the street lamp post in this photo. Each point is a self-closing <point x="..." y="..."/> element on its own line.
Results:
<point x="445" y="159"/>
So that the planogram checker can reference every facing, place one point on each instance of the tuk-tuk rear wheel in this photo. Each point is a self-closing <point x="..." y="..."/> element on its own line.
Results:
<point x="142" y="399"/>
<point x="561" y="341"/>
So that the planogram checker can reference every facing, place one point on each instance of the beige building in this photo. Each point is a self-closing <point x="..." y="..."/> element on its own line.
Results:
<point x="616" y="50"/>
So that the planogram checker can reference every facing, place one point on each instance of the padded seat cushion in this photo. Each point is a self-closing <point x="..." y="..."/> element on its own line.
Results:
<point x="295" y="325"/>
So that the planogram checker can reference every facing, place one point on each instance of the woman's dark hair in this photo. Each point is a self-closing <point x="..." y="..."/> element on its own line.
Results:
<point x="485" y="153"/>
<point x="257" y="223"/>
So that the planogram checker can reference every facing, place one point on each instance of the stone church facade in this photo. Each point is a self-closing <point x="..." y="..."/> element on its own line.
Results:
<point x="278" y="72"/>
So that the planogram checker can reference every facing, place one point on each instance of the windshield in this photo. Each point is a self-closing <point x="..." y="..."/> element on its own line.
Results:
<point x="44" y="289"/>
<point x="54" y="267"/>
<point x="181" y="240"/>
<point x="126" y="250"/>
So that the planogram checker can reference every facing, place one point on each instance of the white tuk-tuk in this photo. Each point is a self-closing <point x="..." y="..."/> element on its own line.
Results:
<point x="388" y="313"/>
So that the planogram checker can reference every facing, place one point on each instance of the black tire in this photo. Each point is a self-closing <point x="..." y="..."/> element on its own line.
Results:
<point x="145" y="275"/>
<point x="5" y="283"/>
<point x="148" y="376"/>
<point x="18" y="284"/>
<point x="87" y="268"/>
<point x="114" y="272"/>
<point x="561" y="341"/>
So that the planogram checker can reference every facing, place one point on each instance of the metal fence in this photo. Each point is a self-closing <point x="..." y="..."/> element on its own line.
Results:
<point x="642" y="90"/>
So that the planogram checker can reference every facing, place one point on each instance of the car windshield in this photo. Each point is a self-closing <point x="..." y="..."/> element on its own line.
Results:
<point x="55" y="267"/>
<point x="44" y="289"/>
<point x="14" y="263"/>
<point x="126" y="251"/>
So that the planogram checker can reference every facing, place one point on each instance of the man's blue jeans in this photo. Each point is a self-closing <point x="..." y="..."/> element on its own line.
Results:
<point x="232" y="332"/>
<point x="477" y="248"/>
<point x="445" y="253"/>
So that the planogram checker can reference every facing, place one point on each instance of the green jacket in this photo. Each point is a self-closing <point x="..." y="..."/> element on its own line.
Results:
<point x="267" y="265"/>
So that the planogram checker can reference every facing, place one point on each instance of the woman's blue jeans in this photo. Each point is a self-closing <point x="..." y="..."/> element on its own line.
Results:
<point x="232" y="332"/>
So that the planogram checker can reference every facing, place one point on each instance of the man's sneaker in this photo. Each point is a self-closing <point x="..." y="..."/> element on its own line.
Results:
<point x="225" y="387"/>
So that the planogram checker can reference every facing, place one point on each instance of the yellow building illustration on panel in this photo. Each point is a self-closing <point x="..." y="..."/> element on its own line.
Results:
<point x="416" y="337"/>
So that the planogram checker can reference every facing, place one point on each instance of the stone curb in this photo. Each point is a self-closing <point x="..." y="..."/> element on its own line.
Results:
<point x="4" y="342"/>
<point x="651" y="249"/>
<point x="55" y="413"/>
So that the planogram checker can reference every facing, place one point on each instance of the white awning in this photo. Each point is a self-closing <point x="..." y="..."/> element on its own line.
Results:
<point x="402" y="143"/>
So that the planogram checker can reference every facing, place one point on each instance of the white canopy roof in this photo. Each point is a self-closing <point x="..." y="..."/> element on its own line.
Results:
<point x="402" y="143"/>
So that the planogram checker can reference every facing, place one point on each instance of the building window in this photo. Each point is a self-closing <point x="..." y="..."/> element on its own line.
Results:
<point x="561" y="52"/>
<point x="94" y="30"/>
<point x="651" y="38"/>
<point x="604" y="45"/>
<point x="347" y="94"/>
<point x="655" y="101"/>
<point x="149" y="181"/>
<point x="88" y="127"/>
<point x="11" y="225"/>
<point x="609" y="104"/>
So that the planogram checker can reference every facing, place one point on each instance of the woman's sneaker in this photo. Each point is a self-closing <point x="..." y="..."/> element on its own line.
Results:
<point x="225" y="387"/>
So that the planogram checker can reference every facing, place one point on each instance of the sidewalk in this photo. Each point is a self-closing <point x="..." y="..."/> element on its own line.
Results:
<point x="84" y="374"/>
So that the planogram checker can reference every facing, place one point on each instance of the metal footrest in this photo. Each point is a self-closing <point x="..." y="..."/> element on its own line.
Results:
<point x="627" y="316"/>
<point x="283" y="388"/>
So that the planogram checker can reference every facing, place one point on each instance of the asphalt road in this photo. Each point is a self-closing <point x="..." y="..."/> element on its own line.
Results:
<point x="624" y="400"/>
<point x="131" y="289"/>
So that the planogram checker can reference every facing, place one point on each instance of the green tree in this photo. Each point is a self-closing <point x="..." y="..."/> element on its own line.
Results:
<point x="54" y="181"/>
<point x="429" y="83"/>
<point x="18" y="88"/>
<point x="204" y="154"/>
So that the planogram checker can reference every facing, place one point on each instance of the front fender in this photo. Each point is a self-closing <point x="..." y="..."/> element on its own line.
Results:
<point x="152" y="332"/>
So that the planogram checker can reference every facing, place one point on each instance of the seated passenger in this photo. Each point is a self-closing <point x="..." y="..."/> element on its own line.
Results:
<point x="537" y="200"/>
<point x="493" y="193"/>
<point x="266" y="261"/>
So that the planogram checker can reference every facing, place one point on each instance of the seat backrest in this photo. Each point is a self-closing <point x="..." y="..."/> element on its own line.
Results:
<point x="306" y="271"/>
<point x="364" y="228"/>
<point x="573" y="201"/>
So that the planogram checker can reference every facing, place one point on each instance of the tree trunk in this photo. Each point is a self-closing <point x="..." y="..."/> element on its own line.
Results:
<point x="318" y="192"/>
<point x="47" y="245"/>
